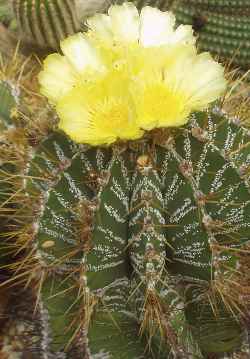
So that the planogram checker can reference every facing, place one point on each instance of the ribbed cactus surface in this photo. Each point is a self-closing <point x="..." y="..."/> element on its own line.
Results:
<point x="222" y="27"/>
<point x="141" y="250"/>
<point x="46" y="22"/>
<point x="5" y="12"/>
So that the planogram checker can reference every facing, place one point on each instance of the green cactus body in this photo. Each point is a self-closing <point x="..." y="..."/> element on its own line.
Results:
<point x="5" y="12"/>
<point x="202" y="182"/>
<point x="143" y="239"/>
<point x="70" y="207"/>
<point x="228" y="5"/>
<point x="222" y="27"/>
<point x="46" y="22"/>
<point x="147" y="246"/>
<point x="214" y="334"/>
<point x="9" y="99"/>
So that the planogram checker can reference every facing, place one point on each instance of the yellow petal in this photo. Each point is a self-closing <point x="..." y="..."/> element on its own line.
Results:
<point x="100" y="26"/>
<point x="97" y="117"/>
<point x="125" y="22"/>
<point x="74" y="118"/>
<point x="81" y="54"/>
<point x="57" y="78"/>
<point x="155" y="26"/>
<point x="183" y="35"/>
<point x="199" y="77"/>
<point x="157" y="105"/>
<point x="157" y="29"/>
<point x="208" y="81"/>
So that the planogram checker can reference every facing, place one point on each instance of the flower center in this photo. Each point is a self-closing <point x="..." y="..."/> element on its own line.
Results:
<point x="111" y="115"/>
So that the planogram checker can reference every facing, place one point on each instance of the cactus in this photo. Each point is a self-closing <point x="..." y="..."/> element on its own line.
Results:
<point x="8" y="98"/>
<point x="46" y="22"/>
<point x="8" y="104"/>
<point x="222" y="27"/>
<point x="119" y="237"/>
<point x="139" y="249"/>
<point x="5" y="13"/>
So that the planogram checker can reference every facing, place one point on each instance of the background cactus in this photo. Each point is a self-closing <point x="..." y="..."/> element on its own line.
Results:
<point x="222" y="27"/>
<point x="138" y="250"/>
<point x="5" y="13"/>
<point x="46" y="22"/>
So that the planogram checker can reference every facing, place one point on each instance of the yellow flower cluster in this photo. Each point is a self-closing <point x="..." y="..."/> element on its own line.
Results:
<point x="129" y="73"/>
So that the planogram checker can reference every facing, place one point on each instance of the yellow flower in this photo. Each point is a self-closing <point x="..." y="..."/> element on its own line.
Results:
<point x="152" y="27"/>
<point x="99" y="113"/>
<point x="166" y="96"/>
<point x="61" y="73"/>
<point x="128" y="74"/>
<point x="141" y="40"/>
